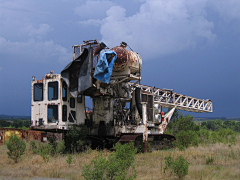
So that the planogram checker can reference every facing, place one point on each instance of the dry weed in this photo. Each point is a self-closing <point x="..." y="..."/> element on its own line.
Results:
<point x="225" y="163"/>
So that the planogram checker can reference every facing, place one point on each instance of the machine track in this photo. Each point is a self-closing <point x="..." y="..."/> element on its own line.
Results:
<point x="155" y="141"/>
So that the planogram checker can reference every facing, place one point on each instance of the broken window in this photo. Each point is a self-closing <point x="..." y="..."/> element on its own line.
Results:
<point x="52" y="90"/>
<point x="38" y="92"/>
<point x="72" y="116"/>
<point x="52" y="113"/>
<point x="64" y="91"/>
<point x="72" y="102"/>
<point x="64" y="113"/>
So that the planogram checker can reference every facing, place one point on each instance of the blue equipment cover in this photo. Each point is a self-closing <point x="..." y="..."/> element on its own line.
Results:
<point x="103" y="70"/>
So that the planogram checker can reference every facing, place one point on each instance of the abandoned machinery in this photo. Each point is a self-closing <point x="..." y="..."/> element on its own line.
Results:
<point x="122" y="109"/>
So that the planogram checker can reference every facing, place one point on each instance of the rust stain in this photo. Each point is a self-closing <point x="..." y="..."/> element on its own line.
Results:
<point x="40" y="81"/>
<point x="121" y="62"/>
<point x="126" y="59"/>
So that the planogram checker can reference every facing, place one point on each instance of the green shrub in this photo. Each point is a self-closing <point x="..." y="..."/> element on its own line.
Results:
<point x="119" y="162"/>
<point x="16" y="147"/>
<point x="75" y="138"/>
<point x="182" y="123"/>
<point x="204" y="136"/>
<point x="69" y="159"/>
<point x="187" y="138"/>
<point x="223" y="136"/>
<point x="46" y="149"/>
<point x="209" y="160"/>
<point x="60" y="147"/>
<point x="33" y="147"/>
<point x="179" y="166"/>
<point x="227" y="136"/>
<point x="96" y="169"/>
<point x="52" y="139"/>
<point x="116" y="165"/>
<point x="214" y="137"/>
<point x="168" y="162"/>
<point x="181" y="147"/>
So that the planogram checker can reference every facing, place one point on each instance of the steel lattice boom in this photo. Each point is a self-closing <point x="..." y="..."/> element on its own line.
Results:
<point x="169" y="99"/>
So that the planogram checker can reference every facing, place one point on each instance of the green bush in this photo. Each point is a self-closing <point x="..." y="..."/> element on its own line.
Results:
<point x="119" y="162"/>
<point x="69" y="159"/>
<point x="187" y="138"/>
<point x="96" y="169"/>
<point x="223" y="136"/>
<point x="168" y="162"/>
<point x="60" y="147"/>
<point x="44" y="151"/>
<point x="33" y="147"/>
<point x="227" y="136"/>
<point x="75" y="138"/>
<point x="182" y="123"/>
<point x="116" y="165"/>
<point x="209" y="160"/>
<point x="203" y="136"/>
<point x="214" y="137"/>
<point x="16" y="147"/>
<point x="179" y="166"/>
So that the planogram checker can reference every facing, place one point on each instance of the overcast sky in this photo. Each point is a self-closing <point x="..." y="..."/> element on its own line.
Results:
<point x="191" y="46"/>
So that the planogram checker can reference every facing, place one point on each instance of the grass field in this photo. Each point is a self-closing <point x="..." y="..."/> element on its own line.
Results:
<point x="213" y="161"/>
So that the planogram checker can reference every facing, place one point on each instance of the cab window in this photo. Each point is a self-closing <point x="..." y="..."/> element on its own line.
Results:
<point x="52" y="91"/>
<point x="38" y="92"/>
<point x="52" y="113"/>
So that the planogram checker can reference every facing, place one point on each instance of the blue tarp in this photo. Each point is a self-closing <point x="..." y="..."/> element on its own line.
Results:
<point x="103" y="70"/>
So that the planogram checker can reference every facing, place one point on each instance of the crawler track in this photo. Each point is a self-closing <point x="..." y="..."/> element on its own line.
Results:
<point x="155" y="141"/>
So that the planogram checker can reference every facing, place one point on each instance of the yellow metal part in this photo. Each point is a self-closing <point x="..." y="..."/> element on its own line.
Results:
<point x="6" y="133"/>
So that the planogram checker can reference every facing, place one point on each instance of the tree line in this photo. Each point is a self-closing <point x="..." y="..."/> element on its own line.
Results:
<point x="16" y="123"/>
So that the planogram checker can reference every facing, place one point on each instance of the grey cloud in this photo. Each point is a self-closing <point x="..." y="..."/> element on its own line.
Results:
<point x="160" y="27"/>
<point x="42" y="30"/>
<point x="43" y="51"/>
<point x="228" y="10"/>
<point x="93" y="9"/>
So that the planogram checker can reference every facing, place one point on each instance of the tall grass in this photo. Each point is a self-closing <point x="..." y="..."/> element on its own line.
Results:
<point x="225" y="164"/>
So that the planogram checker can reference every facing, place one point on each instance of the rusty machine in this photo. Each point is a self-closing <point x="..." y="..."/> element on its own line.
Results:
<point x="122" y="108"/>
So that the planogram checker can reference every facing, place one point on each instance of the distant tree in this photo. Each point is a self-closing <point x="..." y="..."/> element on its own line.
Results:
<point x="219" y="122"/>
<point x="16" y="123"/>
<point x="229" y="124"/>
<point x="27" y="123"/>
<point x="4" y="123"/>
<point x="211" y="125"/>
<point x="203" y="124"/>
<point x="237" y="127"/>
<point x="183" y="123"/>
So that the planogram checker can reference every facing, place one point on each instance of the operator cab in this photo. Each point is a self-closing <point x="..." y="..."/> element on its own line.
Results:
<point x="52" y="106"/>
